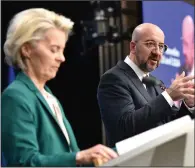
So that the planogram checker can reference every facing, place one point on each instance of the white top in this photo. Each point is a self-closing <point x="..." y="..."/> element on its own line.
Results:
<point x="141" y="74"/>
<point x="54" y="106"/>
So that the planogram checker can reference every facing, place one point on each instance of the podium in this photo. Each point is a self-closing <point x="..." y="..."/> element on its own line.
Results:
<point x="171" y="144"/>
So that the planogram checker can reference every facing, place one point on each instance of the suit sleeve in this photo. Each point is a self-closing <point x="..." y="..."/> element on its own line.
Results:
<point x="19" y="137"/>
<point x="178" y="113"/>
<point x="120" y="114"/>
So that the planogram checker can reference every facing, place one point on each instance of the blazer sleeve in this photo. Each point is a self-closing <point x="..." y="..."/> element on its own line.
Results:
<point x="19" y="140"/>
<point x="121" y="116"/>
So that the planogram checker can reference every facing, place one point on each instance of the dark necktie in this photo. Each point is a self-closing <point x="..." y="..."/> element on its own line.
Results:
<point x="149" y="86"/>
<point x="150" y="82"/>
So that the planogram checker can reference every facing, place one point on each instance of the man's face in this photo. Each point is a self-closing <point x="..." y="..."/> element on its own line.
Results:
<point x="148" y="50"/>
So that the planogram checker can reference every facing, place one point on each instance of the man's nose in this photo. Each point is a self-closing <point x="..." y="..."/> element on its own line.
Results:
<point x="157" y="51"/>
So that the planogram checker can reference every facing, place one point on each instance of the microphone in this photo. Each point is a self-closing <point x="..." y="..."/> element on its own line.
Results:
<point x="153" y="81"/>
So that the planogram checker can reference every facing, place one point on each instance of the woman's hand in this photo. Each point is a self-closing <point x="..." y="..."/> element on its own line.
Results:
<point x="98" y="152"/>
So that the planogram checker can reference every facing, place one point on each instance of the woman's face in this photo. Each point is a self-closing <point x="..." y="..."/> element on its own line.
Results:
<point x="47" y="55"/>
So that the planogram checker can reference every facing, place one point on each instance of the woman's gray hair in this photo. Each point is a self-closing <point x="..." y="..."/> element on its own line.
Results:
<point x="28" y="26"/>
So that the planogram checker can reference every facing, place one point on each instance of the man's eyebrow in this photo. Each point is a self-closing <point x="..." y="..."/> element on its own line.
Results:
<point x="153" y="41"/>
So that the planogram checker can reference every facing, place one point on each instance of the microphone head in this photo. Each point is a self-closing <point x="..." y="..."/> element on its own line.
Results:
<point x="151" y="81"/>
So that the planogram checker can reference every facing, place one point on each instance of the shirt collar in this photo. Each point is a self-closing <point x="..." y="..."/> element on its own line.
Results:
<point x="135" y="68"/>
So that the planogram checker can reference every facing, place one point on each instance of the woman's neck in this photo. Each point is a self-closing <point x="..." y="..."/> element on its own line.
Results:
<point x="37" y="80"/>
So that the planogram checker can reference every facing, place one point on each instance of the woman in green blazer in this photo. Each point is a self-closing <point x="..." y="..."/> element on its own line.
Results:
<point x="35" y="131"/>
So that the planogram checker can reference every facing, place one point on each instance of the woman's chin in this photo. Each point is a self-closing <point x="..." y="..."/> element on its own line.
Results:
<point x="51" y="75"/>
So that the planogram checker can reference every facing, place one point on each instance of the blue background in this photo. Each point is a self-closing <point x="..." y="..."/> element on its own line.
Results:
<point x="168" y="15"/>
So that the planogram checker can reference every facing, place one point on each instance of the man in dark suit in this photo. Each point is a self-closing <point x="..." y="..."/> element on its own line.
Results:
<point x="126" y="105"/>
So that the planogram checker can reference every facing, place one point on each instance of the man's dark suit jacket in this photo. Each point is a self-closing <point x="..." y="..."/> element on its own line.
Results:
<point x="126" y="107"/>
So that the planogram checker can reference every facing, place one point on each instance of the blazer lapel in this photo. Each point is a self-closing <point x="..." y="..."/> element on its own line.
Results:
<point x="135" y="80"/>
<point x="24" y="78"/>
<point x="73" y="142"/>
<point x="43" y="101"/>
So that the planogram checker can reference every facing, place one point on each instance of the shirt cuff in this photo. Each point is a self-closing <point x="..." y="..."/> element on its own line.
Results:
<point x="168" y="98"/>
<point x="191" y="109"/>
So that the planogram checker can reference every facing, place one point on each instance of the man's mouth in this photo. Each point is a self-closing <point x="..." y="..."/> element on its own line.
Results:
<point x="153" y="59"/>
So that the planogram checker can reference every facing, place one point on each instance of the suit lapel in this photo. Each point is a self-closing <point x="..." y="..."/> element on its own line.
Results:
<point x="158" y="88"/>
<point x="135" y="80"/>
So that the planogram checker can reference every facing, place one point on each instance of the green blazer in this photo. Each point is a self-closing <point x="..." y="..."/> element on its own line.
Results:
<point x="30" y="134"/>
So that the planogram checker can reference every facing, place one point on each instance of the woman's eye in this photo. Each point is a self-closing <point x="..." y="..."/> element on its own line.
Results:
<point x="53" y="50"/>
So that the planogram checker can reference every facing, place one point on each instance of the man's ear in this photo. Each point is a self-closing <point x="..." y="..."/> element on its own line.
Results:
<point x="26" y="50"/>
<point x="132" y="47"/>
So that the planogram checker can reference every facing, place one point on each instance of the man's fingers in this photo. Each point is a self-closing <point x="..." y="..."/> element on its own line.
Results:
<point x="188" y="78"/>
<point x="188" y="84"/>
<point x="189" y="97"/>
<point x="189" y="91"/>
<point x="180" y="76"/>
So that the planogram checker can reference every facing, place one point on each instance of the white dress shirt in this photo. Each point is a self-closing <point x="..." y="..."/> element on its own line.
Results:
<point x="141" y="74"/>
